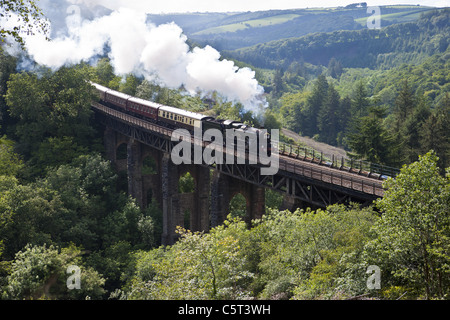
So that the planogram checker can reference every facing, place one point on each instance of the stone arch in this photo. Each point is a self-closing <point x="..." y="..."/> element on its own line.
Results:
<point x="186" y="182"/>
<point x="238" y="206"/>
<point x="121" y="151"/>
<point x="149" y="165"/>
<point x="151" y="170"/>
<point x="186" y="187"/>
<point x="225" y="188"/>
<point x="120" y="162"/>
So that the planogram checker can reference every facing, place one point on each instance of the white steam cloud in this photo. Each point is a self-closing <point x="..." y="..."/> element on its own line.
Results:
<point x="158" y="53"/>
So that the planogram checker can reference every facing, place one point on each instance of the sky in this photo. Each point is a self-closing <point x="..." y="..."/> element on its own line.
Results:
<point x="170" y="6"/>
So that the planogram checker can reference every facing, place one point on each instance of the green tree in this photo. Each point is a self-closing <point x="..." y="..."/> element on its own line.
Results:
<point x="435" y="133"/>
<point x="360" y="101"/>
<point x="198" y="266"/>
<point x="27" y="13"/>
<point x="97" y="216"/>
<point x="54" y="152"/>
<point x="130" y="85"/>
<point x="335" y="68"/>
<point x="29" y="214"/>
<point x="40" y="272"/>
<point x="314" y="104"/>
<point x="308" y="254"/>
<point x="414" y="230"/>
<point x="278" y="83"/>
<point x="10" y="162"/>
<point x="8" y="66"/>
<point x="271" y="122"/>
<point x="104" y="72"/>
<point x="343" y="120"/>
<point x="293" y="111"/>
<point x="341" y="271"/>
<point x="371" y="141"/>
<point x="412" y="129"/>
<point x="53" y="105"/>
<point x="404" y="104"/>
<point x="328" y="117"/>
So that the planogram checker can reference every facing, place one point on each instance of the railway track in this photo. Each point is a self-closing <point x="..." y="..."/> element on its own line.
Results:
<point x="350" y="180"/>
<point x="318" y="169"/>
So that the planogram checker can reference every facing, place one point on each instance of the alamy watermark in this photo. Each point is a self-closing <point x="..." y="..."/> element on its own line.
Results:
<point x="240" y="146"/>
<point x="374" y="21"/>
<point x="374" y="281"/>
<point x="74" y="280"/>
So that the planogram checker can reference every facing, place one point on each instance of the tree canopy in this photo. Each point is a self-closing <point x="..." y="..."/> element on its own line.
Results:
<point x="28" y="15"/>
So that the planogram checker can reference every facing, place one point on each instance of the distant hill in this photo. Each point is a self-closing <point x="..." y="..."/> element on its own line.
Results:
<point x="388" y="47"/>
<point x="230" y="31"/>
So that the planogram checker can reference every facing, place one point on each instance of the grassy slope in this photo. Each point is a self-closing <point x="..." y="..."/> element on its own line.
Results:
<point x="255" y="23"/>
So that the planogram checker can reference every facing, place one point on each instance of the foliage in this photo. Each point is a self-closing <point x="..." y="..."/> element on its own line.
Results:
<point x="414" y="229"/>
<point x="198" y="266"/>
<point x="76" y="203"/>
<point x="61" y="203"/>
<point x="52" y="113"/>
<point x="40" y="272"/>
<point x="10" y="162"/>
<point x="27" y="13"/>
<point x="435" y="133"/>
<point x="28" y="214"/>
<point x="371" y="140"/>
<point x="387" y="47"/>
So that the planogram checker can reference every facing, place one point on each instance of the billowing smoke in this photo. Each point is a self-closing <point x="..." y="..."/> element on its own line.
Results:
<point x="159" y="53"/>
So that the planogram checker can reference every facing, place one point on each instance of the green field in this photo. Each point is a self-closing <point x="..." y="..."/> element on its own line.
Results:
<point x="250" y="24"/>
<point x="400" y="17"/>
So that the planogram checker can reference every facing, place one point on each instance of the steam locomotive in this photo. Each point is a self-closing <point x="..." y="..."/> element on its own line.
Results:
<point x="175" y="118"/>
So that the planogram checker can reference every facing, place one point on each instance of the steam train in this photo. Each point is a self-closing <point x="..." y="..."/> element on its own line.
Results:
<point x="175" y="118"/>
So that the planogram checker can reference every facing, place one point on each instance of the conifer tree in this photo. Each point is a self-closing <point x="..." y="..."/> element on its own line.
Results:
<point x="314" y="103"/>
<point x="371" y="140"/>
<point x="327" y="120"/>
<point x="435" y="133"/>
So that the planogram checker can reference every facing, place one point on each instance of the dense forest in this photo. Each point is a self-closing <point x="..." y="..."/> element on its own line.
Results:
<point x="63" y="204"/>
<point x="371" y="48"/>
<point x="235" y="30"/>
<point x="388" y="113"/>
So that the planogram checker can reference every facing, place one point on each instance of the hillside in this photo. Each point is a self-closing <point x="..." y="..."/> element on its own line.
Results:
<point x="230" y="31"/>
<point x="387" y="47"/>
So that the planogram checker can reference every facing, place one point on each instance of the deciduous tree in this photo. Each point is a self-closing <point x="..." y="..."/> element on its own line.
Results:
<point x="27" y="14"/>
<point x="414" y="230"/>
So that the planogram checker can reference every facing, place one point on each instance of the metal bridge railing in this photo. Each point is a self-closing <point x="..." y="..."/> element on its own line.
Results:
<point x="336" y="178"/>
<point x="337" y="162"/>
<point x="306" y="154"/>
